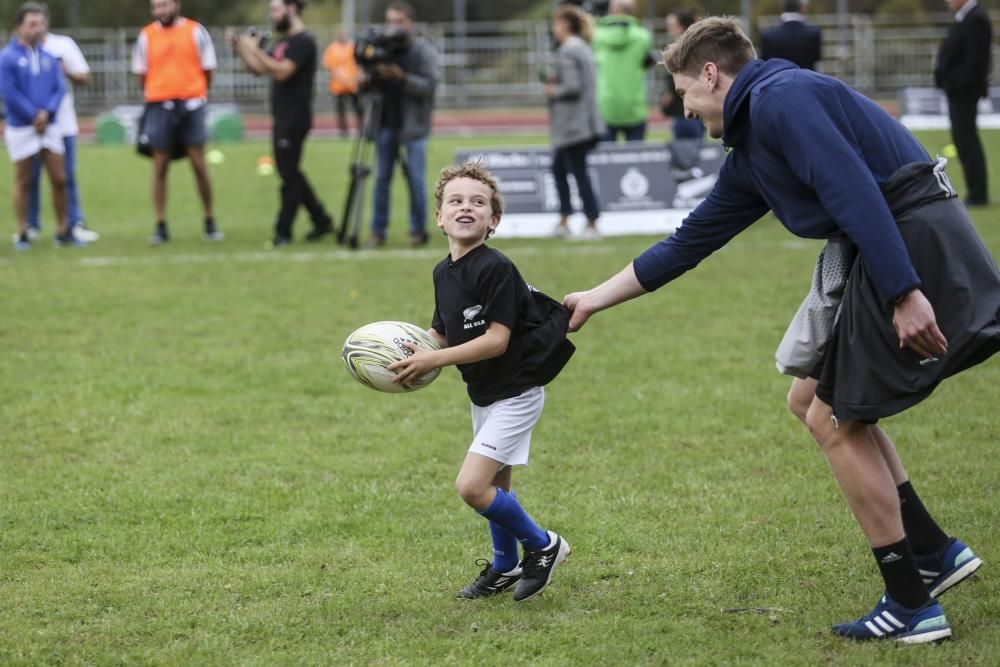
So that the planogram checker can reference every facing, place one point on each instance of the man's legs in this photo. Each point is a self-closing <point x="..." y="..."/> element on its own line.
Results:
<point x="636" y="132"/>
<point x="416" y="179"/>
<point x="560" y="175"/>
<point x="75" y="212"/>
<point x="55" y="167"/>
<point x="196" y="155"/>
<point x="386" y="148"/>
<point x="34" y="195"/>
<point x="340" y="105"/>
<point x="161" y="165"/>
<point x="962" y="114"/>
<point x="22" y="181"/>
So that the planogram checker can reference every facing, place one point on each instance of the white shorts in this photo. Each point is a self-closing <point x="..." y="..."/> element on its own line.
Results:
<point x="24" y="142"/>
<point x="503" y="429"/>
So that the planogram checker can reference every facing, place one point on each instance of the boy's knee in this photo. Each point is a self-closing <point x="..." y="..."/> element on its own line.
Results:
<point x="798" y="404"/>
<point x="470" y="492"/>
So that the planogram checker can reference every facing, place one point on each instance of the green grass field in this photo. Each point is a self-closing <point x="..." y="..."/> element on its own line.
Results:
<point x="188" y="476"/>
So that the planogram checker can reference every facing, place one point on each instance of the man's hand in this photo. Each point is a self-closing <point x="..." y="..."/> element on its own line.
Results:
<point x="390" y="71"/>
<point x="549" y="89"/>
<point x="414" y="367"/>
<point x="579" y="312"/>
<point x="41" y="121"/>
<point x="917" y="327"/>
<point x="233" y="38"/>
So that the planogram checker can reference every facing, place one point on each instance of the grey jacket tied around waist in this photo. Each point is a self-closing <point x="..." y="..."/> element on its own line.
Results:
<point x="573" y="113"/>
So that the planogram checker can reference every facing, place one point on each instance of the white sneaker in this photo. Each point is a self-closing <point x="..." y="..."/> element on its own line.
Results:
<point x="33" y="235"/>
<point x="591" y="234"/>
<point x="561" y="232"/>
<point x="81" y="233"/>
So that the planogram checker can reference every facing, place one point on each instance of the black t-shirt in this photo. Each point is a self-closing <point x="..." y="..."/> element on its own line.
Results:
<point x="291" y="99"/>
<point x="483" y="287"/>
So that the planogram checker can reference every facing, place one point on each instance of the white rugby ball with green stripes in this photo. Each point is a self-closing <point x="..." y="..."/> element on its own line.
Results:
<point x="370" y="350"/>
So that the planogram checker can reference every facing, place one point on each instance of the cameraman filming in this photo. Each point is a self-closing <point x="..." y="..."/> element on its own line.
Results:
<point x="405" y="82"/>
<point x="291" y="64"/>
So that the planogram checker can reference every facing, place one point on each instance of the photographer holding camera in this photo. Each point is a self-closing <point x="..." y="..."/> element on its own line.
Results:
<point x="291" y="64"/>
<point x="403" y="73"/>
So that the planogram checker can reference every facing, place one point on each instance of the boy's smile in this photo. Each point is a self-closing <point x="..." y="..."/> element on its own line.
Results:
<point x="466" y="214"/>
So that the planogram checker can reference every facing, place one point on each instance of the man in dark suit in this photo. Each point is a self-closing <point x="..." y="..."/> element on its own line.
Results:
<point x="962" y="70"/>
<point x="793" y="39"/>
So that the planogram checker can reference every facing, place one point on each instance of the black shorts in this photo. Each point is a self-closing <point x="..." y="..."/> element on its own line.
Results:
<point x="865" y="375"/>
<point x="171" y="124"/>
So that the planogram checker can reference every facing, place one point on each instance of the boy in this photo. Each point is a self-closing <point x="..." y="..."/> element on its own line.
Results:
<point x="508" y="340"/>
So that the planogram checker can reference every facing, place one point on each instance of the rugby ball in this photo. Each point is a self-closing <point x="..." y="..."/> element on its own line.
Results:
<point x="370" y="350"/>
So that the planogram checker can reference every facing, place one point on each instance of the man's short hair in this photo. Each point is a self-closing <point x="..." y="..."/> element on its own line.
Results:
<point x="685" y="18"/>
<point x="718" y="39"/>
<point x="477" y="172"/>
<point x="30" y="8"/>
<point x="403" y="6"/>
<point x="299" y="4"/>
<point x="792" y="6"/>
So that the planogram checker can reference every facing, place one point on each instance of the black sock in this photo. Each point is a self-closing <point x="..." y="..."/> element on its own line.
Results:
<point x="923" y="533"/>
<point x="899" y="571"/>
<point x="209" y="224"/>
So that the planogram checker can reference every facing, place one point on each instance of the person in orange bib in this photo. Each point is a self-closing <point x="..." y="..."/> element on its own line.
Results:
<point x="338" y="58"/>
<point x="174" y="59"/>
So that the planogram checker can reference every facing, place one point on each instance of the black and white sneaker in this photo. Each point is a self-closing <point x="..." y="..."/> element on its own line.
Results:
<point x="538" y="566"/>
<point x="489" y="582"/>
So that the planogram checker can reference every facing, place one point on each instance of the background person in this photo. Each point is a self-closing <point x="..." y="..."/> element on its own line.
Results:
<point x="671" y="104"/>
<point x="174" y="59"/>
<point x="77" y="73"/>
<point x="831" y="163"/>
<point x="291" y="65"/>
<point x="623" y="53"/>
<point x="793" y="39"/>
<point x="962" y="70"/>
<point x="338" y="59"/>
<point x="406" y="85"/>
<point x="32" y="88"/>
<point x="575" y="125"/>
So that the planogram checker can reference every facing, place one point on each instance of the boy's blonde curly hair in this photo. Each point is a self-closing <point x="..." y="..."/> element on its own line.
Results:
<point x="475" y="171"/>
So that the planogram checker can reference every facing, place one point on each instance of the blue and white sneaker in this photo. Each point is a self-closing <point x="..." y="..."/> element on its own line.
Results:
<point x="947" y="568"/>
<point x="891" y="620"/>
<point x="22" y="242"/>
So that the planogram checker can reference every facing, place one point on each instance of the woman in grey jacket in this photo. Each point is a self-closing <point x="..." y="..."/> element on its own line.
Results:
<point x="575" y="124"/>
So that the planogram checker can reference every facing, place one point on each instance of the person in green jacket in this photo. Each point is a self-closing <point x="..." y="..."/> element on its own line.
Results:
<point x="623" y="53"/>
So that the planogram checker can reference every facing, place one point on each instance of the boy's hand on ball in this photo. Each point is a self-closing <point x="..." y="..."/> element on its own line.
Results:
<point x="415" y="366"/>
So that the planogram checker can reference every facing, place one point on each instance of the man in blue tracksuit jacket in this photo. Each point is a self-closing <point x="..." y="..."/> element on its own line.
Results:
<point x="920" y="302"/>
<point x="32" y="87"/>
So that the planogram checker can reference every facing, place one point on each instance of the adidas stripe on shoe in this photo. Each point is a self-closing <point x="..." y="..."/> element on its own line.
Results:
<point x="891" y="620"/>
<point x="948" y="568"/>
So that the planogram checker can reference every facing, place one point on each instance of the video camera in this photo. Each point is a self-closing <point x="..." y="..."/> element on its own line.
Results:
<point x="265" y="36"/>
<point x="379" y="45"/>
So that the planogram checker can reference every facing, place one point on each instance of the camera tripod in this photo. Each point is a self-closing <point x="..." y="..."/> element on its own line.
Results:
<point x="360" y="169"/>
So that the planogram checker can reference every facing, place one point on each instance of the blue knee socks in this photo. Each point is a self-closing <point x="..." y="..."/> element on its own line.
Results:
<point x="510" y="517"/>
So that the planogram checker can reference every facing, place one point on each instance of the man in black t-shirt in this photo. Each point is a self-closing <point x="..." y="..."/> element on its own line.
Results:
<point x="291" y="64"/>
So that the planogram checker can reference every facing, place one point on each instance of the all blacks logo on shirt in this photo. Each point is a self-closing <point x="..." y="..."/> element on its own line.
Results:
<point x="470" y="317"/>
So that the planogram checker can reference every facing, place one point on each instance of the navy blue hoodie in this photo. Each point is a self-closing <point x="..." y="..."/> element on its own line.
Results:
<point x="815" y="152"/>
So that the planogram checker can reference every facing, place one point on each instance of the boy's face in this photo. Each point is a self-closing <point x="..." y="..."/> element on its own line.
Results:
<point x="466" y="215"/>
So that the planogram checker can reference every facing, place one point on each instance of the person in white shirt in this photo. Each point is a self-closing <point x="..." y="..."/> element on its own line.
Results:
<point x="77" y="73"/>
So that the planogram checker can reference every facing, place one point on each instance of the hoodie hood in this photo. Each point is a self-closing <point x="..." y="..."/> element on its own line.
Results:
<point x="736" y="109"/>
<point x="615" y="31"/>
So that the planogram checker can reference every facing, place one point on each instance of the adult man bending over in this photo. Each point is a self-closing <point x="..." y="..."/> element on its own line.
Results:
<point x="921" y="302"/>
